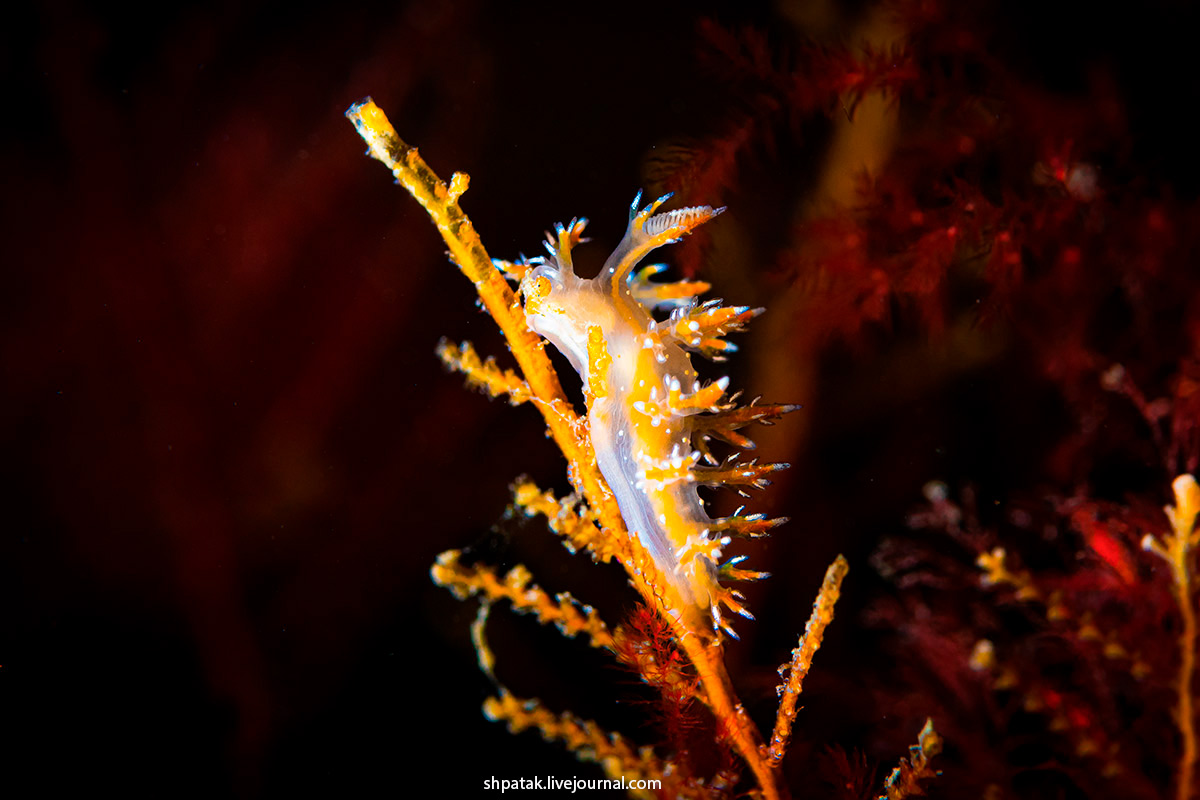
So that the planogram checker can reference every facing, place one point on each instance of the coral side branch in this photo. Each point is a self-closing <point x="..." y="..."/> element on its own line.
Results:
<point x="905" y="780"/>
<point x="996" y="572"/>
<point x="1176" y="549"/>
<point x="563" y="611"/>
<point x="802" y="656"/>
<point x="582" y="737"/>
<point x="570" y="519"/>
<point x="485" y="375"/>
<point x="440" y="201"/>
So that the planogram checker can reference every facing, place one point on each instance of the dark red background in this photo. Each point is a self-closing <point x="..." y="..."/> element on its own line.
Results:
<point x="229" y="453"/>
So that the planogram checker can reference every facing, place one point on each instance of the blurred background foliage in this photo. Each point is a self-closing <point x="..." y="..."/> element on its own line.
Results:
<point x="231" y="455"/>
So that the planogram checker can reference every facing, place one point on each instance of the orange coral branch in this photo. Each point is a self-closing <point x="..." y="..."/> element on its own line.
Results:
<point x="802" y="656"/>
<point x="483" y="373"/>
<point x="440" y="201"/>
<point x="569" y="615"/>
<point x="577" y="527"/>
<point x="1176" y="551"/>
<point x="905" y="780"/>
<point x="997" y="573"/>
<point x="582" y="737"/>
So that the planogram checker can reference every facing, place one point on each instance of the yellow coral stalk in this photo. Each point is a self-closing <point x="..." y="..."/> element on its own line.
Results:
<point x="440" y="201"/>
<point x="997" y="573"/>
<point x="905" y="780"/>
<point x="484" y="374"/>
<point x="802" y="656"/>
<point x="1176" y="550"/>
<point x="578" y="528"/>
<point x="584" y="738"/>
<point x="565" y="612"/>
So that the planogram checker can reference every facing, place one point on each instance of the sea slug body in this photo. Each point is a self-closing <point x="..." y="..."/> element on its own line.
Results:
<point x="649" y="417"/>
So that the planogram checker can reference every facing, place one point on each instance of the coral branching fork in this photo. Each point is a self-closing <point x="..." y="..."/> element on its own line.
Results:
<point x="635" y="459"/>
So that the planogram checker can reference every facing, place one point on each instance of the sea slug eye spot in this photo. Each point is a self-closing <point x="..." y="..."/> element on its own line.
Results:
<point x="536" y="287"/>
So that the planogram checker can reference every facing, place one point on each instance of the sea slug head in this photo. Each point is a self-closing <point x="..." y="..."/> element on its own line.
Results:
<point x="560" y="306"/>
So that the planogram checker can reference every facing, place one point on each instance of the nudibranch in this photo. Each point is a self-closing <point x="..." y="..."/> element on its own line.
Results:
<point x="649" y="418"/>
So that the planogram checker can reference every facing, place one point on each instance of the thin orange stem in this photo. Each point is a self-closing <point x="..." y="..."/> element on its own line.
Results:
<point x="1187" y="668"/>
<point x="734" y="723"/>
<point x="1176" y="549"/>
<point x="802" y="657"/>
<point x="440" y="201"/>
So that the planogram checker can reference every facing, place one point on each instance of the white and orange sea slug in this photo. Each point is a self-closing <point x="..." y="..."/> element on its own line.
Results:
<point x="649" y="417"/>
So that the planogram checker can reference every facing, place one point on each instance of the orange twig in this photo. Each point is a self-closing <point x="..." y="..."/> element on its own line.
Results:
<point x="905" y="780"/>
<point x="440" y="201"/>
<point x="802" y="656"/>
<point x="1176" y="550"/>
